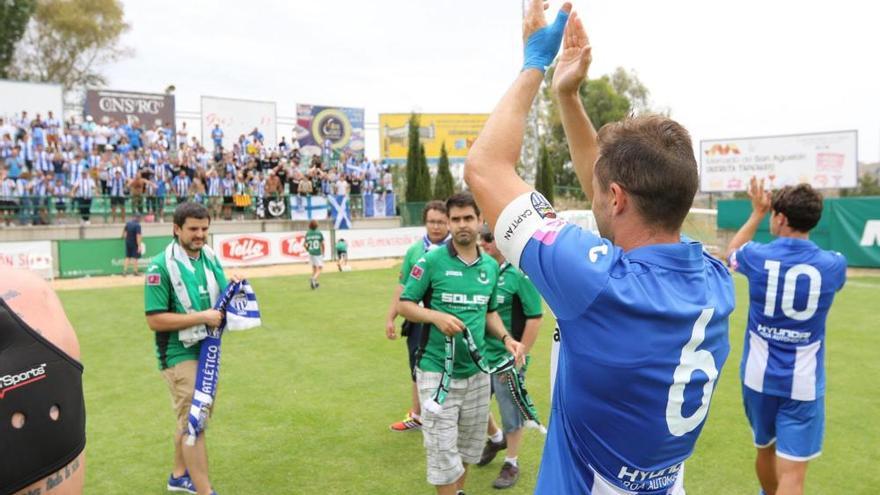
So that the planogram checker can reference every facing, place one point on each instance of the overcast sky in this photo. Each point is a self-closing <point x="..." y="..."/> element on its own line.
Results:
<point x="725" y="69"/>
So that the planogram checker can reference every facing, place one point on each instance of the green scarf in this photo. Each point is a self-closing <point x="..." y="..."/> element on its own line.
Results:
<point x="515" y="381"/>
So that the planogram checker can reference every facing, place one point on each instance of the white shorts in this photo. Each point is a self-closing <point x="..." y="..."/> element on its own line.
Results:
<point x="456" y="435"/>
<point x="316" y="260"/>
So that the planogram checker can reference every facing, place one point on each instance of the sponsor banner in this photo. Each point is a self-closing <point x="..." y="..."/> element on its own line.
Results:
<point x="265" y="248"/>
<point x="236" y="118"/>
<point x="96" y="257"/>
<point x="825" y="160"/>
<point x="126" y="106"/>
<point x="850" y="226"/>
<point x="274" y="248"/>
<point x="379" y="243"/>
<point x="329" y="130"/>
<point x="457" y="130"/>
<point x="35" y="256"/>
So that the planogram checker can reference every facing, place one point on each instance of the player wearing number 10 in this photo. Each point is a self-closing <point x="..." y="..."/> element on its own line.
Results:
<point x="643" y="313"/>
<point x="791" y="286"/>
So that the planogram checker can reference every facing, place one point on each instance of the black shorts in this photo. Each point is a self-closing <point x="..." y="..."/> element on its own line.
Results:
<point x="227" y="200"/>
<point x="117" y="200"/>
<point x="413" y="333"/>
<point x="131" y="251"/>
<point x="8" y="205"/>
<point x="342" y="254"/>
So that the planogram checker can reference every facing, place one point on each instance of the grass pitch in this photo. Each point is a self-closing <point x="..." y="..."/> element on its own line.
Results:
<point x="304" y="403"/>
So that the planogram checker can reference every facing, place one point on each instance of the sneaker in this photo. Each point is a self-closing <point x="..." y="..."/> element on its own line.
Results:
<point x="312" y="283"/>
<point x="182" y="484"/>
<point x="491" y="450"/>
<point x="507" y="477"/>
<point x="408" y="423"/>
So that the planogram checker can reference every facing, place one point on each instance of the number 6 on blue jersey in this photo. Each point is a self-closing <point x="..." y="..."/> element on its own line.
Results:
<point x="691" y="360"/>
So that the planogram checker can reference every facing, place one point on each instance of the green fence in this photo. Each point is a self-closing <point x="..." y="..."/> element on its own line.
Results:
<point x="101" y="256"/>
<point x="848" y="225"/>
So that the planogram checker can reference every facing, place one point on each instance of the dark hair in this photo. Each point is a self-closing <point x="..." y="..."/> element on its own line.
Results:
<point x="462" y="200"/>
<point x="801" y="205"/>
<point x="651" y="157"/>
<point x="435" y="205"/>
<point x="313" y="224"/>
<point x="190" y="210"/>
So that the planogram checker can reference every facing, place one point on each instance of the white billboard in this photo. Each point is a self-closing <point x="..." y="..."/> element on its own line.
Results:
<point x="31" y="255"/>
<point x="237" y="117"/>
<point x="34" y="98"/>
<point x="824" y="160"/>
<point x="379" y="243"/>
<point x="278" y="248"/>
<point x="265" y="248"/>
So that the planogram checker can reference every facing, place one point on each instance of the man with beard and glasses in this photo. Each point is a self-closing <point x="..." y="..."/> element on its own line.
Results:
<point x="460" y="282"/>
<point x="181" y="285"/>
<point x="436" y="234"/>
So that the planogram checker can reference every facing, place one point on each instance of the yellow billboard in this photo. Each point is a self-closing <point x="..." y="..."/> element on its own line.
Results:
<point x="457" y="130"/>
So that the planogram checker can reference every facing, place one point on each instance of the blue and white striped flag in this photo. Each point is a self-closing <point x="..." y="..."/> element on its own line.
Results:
<point x="239" y="303"/>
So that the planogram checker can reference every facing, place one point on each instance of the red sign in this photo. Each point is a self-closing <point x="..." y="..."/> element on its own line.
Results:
<point x="294" y="247"/>
<point x="244" y="248"/>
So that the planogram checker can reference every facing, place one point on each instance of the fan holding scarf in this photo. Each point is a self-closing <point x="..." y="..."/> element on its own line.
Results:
<point x="187" y="304"/>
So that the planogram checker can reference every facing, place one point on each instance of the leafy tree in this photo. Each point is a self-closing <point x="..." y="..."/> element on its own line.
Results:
<point x="67" y="41"/>
<point x="444" y="184"/>
<point x="15" y="15"/>
<point x="869" y="185"/>
<point x="609" y="98"/>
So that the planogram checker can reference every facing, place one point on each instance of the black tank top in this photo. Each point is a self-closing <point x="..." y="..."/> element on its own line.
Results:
<point x="34" y="376"/>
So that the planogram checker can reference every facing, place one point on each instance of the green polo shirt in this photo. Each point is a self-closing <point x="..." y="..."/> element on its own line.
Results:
<point x="466" y="291"/>
<point x="159" y="297"/>
<point x="518" y="300"/>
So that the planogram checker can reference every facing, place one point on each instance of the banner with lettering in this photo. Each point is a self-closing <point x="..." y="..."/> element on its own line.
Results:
<point x="127" y="106"/>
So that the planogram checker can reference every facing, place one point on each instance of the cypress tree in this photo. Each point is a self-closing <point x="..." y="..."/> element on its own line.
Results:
<point x="412" y="158"/>
<point x="444" y="184"/>
<point x="546" y="179"/>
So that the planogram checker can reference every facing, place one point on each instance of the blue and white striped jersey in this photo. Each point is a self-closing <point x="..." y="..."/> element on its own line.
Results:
<point x="792" y="283"/>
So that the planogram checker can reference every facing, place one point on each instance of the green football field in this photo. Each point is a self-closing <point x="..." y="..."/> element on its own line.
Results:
<point x="305" y="401"/>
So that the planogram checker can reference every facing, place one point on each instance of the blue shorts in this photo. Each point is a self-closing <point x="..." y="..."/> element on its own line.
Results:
<point x="511" y="419"/>
<point x="797" y="427"/>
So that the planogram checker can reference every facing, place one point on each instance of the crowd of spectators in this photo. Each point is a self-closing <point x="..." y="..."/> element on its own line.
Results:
<point x="52" y="169"/>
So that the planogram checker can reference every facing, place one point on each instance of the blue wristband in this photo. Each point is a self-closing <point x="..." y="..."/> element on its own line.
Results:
<point x="543" y="45"/>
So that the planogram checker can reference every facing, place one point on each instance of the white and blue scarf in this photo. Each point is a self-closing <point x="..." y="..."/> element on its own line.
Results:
<point x="241" y="312"/>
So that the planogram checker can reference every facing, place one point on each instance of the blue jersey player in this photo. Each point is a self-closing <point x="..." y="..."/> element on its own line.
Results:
<point x="791" y="285"/>
<point x="643" y="313"/>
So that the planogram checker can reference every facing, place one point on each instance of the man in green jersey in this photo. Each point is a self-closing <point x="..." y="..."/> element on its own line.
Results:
<point x="181" y="285"/>
<point x="519" y="306"/>
<point x="315" y="247"/>
<point x="342" y="255"/>
<point x="436" y="234"/>
<point x="461" y="283"/>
